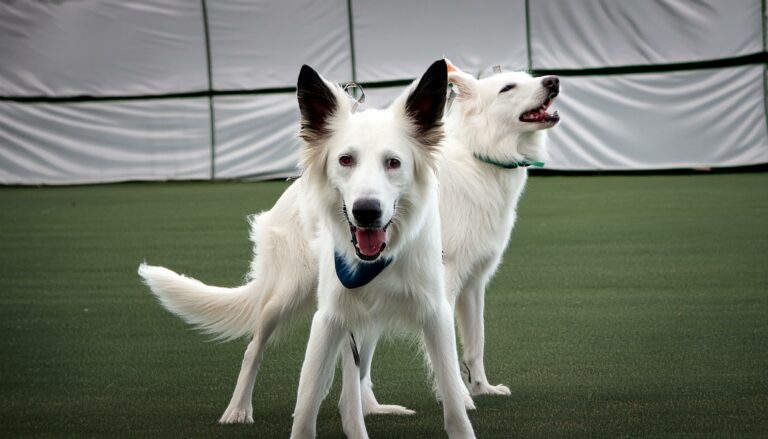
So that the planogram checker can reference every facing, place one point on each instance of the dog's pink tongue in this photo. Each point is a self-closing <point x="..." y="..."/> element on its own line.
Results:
<point x="370" y="241"/>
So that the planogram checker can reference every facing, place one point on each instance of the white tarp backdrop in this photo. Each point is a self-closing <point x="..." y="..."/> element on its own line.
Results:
<point x="576" y="34"/>
<point x="115" y="90"/>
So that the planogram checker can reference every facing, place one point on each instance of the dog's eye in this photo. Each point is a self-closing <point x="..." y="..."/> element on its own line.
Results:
<point x="393" y="163"/>
<point x="346" y="160"/>
<point x="507" y="88"/>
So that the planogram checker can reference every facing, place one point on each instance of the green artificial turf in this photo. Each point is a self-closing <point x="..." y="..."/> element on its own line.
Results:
<point x="627" y="306"/>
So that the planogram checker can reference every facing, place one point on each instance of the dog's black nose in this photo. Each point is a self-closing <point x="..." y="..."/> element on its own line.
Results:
<point x="553" y="84"/>
<point x="367" y="211"/>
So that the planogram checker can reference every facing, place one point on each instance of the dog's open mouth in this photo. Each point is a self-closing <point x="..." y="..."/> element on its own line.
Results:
<point x="540" y="115"/>
<point x="369" y="242"/>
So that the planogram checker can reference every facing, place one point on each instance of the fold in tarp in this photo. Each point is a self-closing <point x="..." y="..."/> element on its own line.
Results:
<point x="577" y="34"/>
<point x="396" y="40"/>
<point x="106" y="48"/>
<point x="661" y="121"/>
<point x="262" y="44"/>
<point x="256" y="136"/>
<point x="99" y="142"/>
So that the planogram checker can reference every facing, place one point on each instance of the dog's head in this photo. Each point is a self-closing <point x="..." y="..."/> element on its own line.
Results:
<point x="371" y="170"/>
<point x="505" y="114"/>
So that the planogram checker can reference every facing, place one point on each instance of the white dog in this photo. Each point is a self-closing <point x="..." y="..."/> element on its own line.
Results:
<point x="494" y="131"/>
<point x="496" y="127"/>
<point x="364" y="221"/>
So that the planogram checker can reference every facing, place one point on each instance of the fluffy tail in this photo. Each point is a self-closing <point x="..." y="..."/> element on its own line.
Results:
<point x="226" y="312"/>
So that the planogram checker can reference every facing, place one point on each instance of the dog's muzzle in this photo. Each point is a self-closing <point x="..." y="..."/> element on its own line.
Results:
<point x="539" y="114"/>
<point x="368" y="236"/>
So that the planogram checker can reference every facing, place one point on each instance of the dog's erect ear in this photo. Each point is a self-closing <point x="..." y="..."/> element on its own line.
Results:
<point x="464" y="84"/>
<point x="451" y="67"/>
<point x="426" y="102"/>
<point x="317" y="104"/>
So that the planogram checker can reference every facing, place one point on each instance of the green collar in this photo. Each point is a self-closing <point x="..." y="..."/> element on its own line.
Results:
<point x="507" y="165"/>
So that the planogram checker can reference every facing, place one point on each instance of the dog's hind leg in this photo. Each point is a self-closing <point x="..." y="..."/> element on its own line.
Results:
<point x="285" y="292"/>
<point x="469" y="309"/>
<point x="240" y="409"/>
<point x="367" y="345"/>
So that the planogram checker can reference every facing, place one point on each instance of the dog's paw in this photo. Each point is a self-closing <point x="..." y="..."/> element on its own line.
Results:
<point x="236" y="416"/>
<point x="469" y="404"/>
<point x="387" y="409"/>
<point x="488" y="389"/>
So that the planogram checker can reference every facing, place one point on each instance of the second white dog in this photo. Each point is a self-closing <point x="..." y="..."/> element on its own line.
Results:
<point x="495" y="130"/>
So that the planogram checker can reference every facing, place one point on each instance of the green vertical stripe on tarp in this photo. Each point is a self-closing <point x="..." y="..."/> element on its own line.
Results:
<point x="765" y="96"/>
<point x="211" y="114"/>
<point x="528" y="34"/>
<point x="762" y="24"/>
<point x="765" y="67"/>
<point x="352" y="44"/>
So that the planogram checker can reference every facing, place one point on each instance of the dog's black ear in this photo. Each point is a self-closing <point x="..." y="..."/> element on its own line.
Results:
<point x="317" y="104"/>
<point x="425" y="104"/>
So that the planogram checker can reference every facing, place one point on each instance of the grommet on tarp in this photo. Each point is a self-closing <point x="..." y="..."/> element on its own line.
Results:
<point x="348" y="88"/>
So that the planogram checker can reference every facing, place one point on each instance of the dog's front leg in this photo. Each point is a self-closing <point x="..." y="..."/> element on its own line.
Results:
<point x="440" y="341"/>
<point x="350" y="404"/>
<point x="325" y="337"/>
<point x="469" y="310"/>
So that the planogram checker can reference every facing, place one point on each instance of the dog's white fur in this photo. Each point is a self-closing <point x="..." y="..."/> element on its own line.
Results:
<point x="297" y="239"/>
<point x="478" y="201"/>
<point x="478" y="210"/>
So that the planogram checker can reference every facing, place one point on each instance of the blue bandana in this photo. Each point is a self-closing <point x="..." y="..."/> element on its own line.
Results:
<point x="362" y="274"/>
